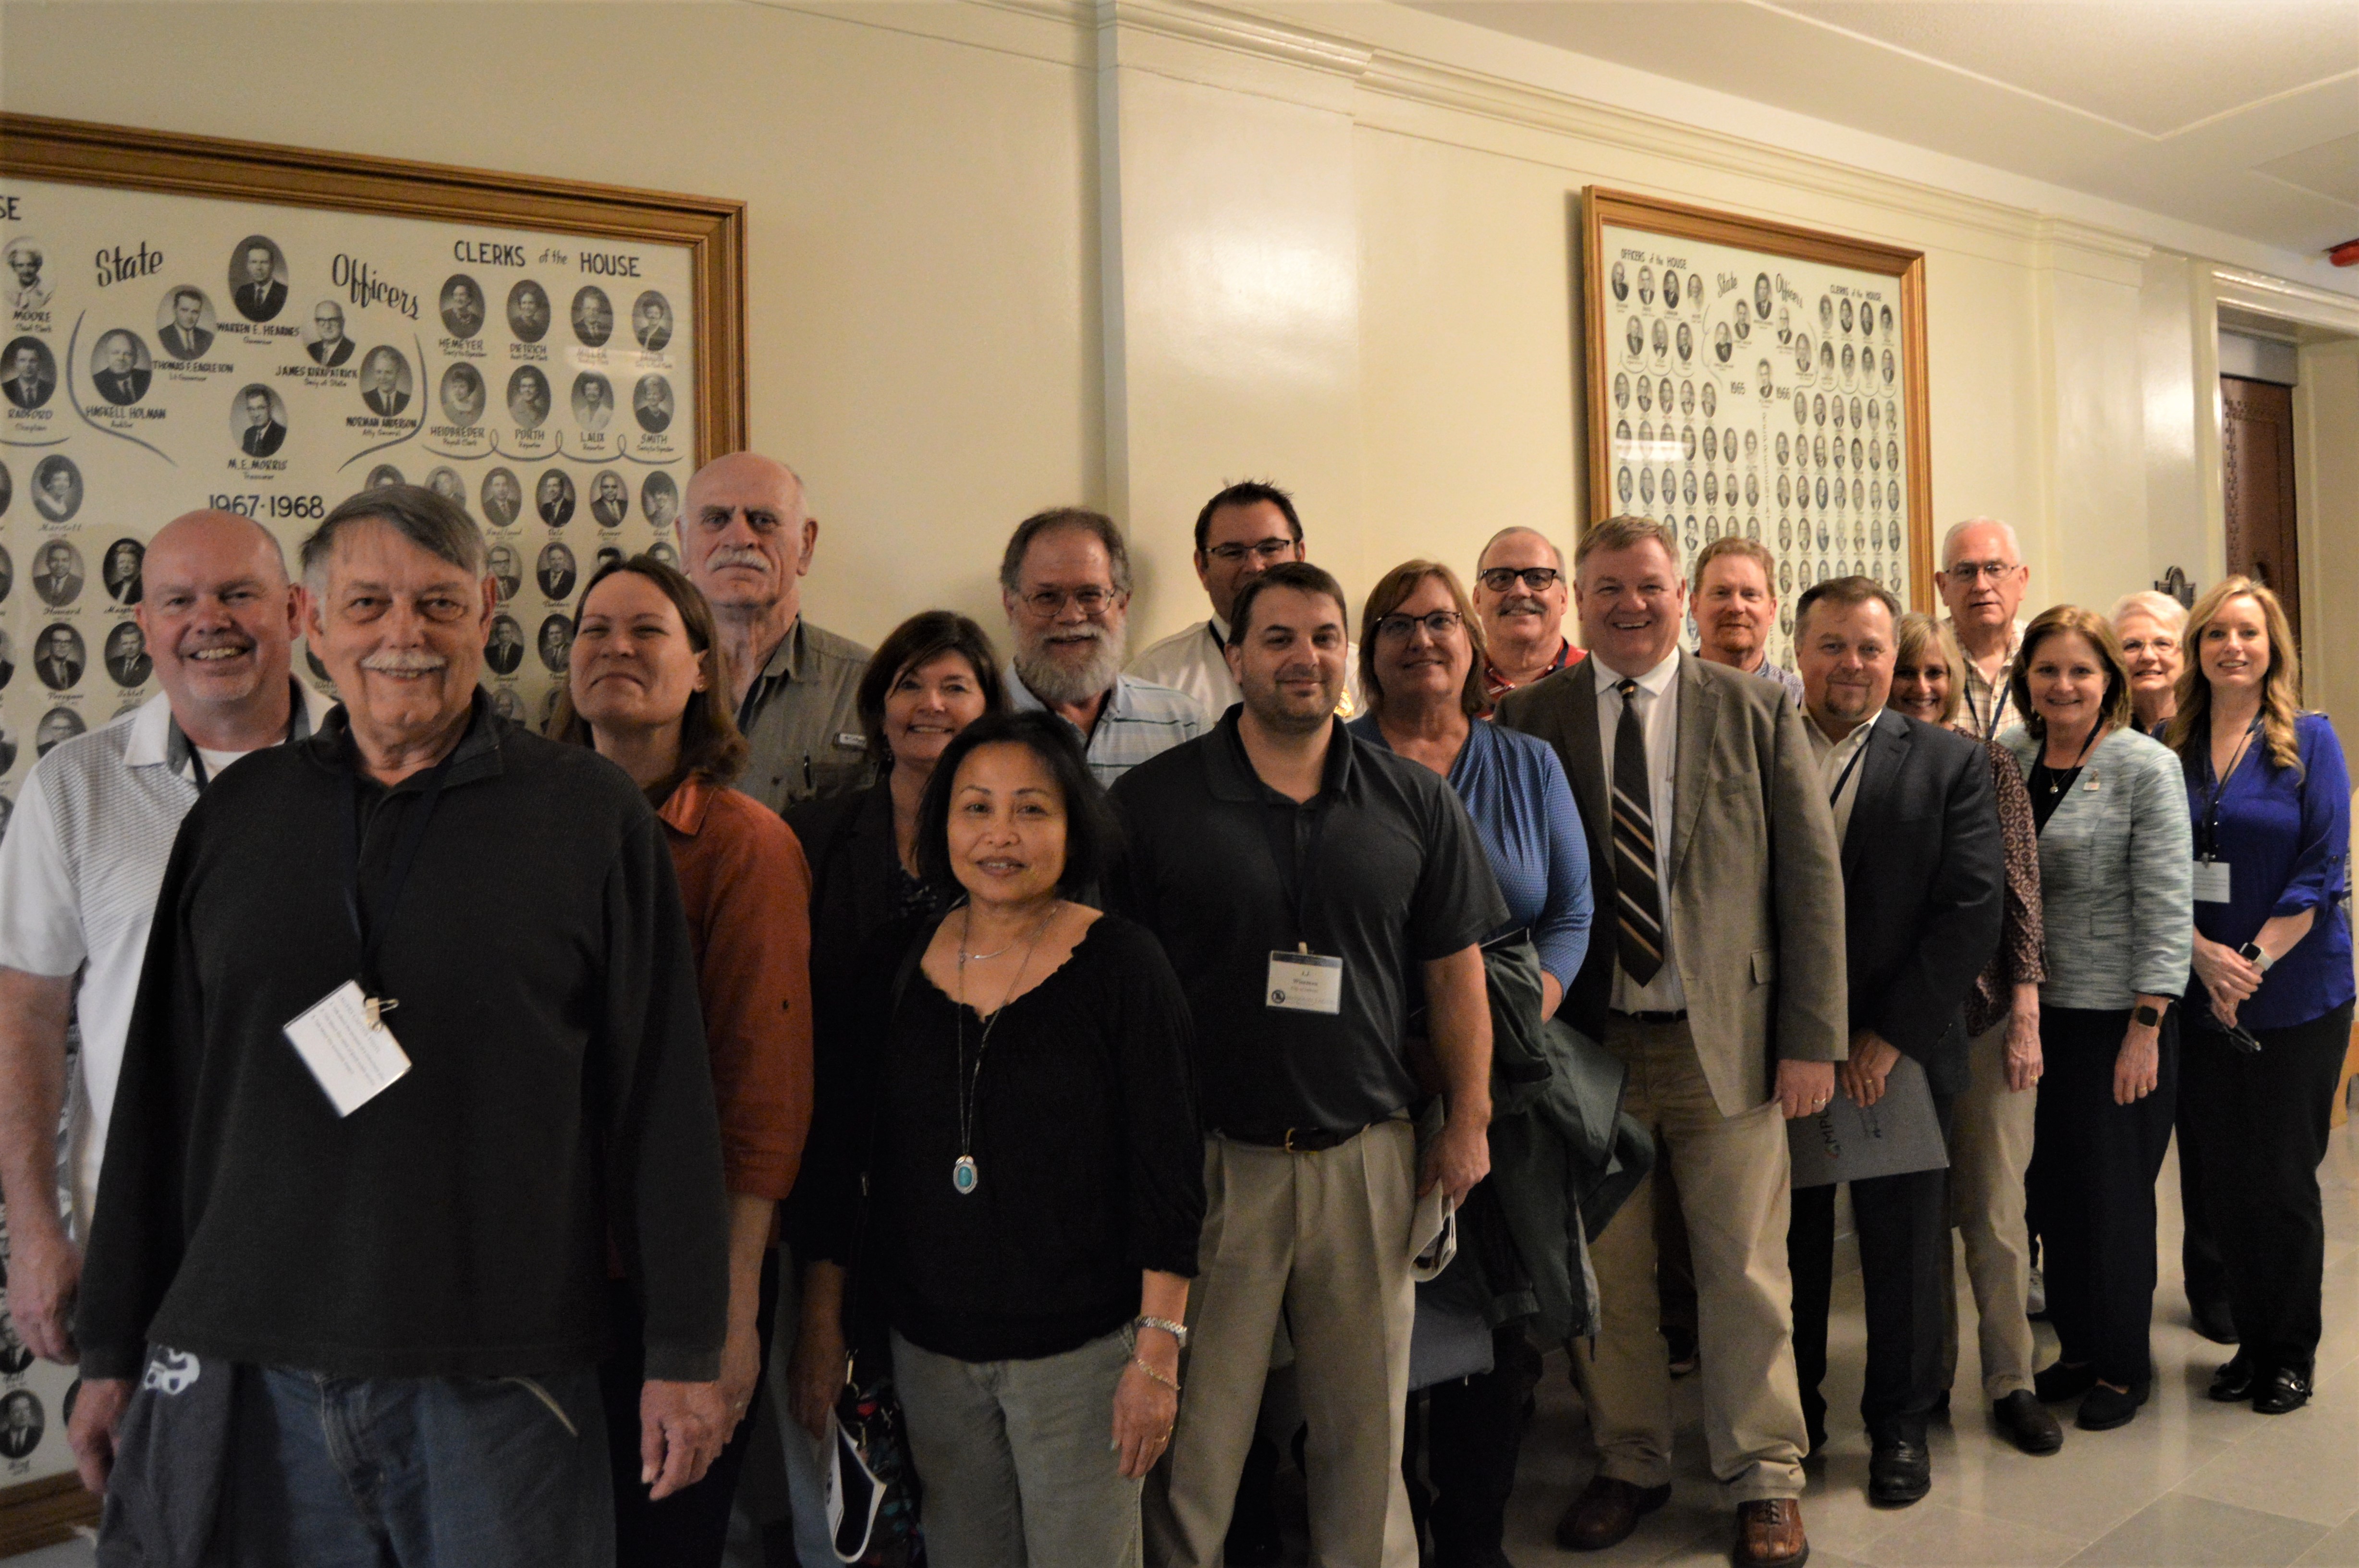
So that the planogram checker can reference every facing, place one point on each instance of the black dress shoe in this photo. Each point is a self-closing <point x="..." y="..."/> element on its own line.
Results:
<point x="2106" y="1408"/>
<point x="2287" y="1390"/>
<point x="2026" y="1423"/>
<point x="2057" y="1383"/>
<point x="2232" y="1383"/>
<point x="1898" y="1474"/>
<point x="2213" y="1322"/>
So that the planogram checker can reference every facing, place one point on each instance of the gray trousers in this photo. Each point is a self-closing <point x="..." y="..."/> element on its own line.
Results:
<point x="1017" y="1457"/>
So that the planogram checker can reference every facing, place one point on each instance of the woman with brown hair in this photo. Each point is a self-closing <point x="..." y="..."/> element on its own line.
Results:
<point x="1990" y="1128"/>
<point x="2268" y="1011"/>
<point x="2111" y="809"/>
<point x="647" y="688"/>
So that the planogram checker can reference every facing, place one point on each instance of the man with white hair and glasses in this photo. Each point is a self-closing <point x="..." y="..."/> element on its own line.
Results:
<point x="1983" y="582"/>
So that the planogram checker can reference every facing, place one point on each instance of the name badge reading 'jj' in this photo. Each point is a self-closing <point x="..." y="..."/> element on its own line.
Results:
<point x="2210" y="881"/>
<point x="348" y="1048"/>
<point x="1305" y="982"/>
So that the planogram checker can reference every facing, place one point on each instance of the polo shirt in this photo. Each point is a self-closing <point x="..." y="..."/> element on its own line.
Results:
<point x="1139" y="721"/>
<point x="802" y="720"/>
<point x="1382" y="869"/>
<point x="78" y="872"/>
<point x="1196" y="662"/>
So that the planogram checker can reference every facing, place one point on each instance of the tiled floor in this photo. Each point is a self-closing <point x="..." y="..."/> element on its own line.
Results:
<point x="2188" y="1482"/>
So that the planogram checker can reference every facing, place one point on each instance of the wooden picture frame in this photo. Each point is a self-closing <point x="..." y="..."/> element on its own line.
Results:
<point x="1750" y="259"/>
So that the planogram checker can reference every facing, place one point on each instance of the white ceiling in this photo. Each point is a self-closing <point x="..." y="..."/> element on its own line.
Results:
<point x="2241" y="115"/>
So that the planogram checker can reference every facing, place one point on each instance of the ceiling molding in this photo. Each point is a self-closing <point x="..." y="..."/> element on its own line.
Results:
<point x="2283" y="301"/>
<point x="1186" y="23"/>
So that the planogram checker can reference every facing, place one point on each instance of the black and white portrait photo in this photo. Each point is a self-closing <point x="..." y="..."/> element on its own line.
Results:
<point x="1670" y="289"/>
<point x="184" y="323"/>
<point x="127" y="664"/>
<point x="594" y="402"/>
<point x="501" y="565"/>
<point x="257" y="278"/>
<point x="1646" y="286"/>
<point x="651" y="402"/>
<point x="32" y="372"/>
<point x="651" y="321"/>
<point x="463" y="306"/>
<point x="1695" y="290"/>
<point x="504" y="652"/>
<point x="1661" y="337"/>
<point x="59" y="656"/>
<point x="528" y="400"/>
<point x="1826" y="315"/>
<point x="508" y="704"/>
<point x="1686" y="342"/>
<point x="1621" y="282"/>
<point x="445" y="483"/>
<point x="1623" y="485"/>
<point x="557" y="635"/>
<point x="381" y="476"/>
<point x="1884" y="324"/>
<point x="7" y="575"/>
<point x="1842" y="314"/>
<point x="1761" y="300"/>
<point x="594" y="316"/>
<point x="503" y="498"/>
<point x="1762" y="378"/>
<point x="660" y="550"/>
<point x="21" y="1421"/>
<point x="553" y="498"/>
<point x="1888" y="367"/>
<point x="28" y="287"/>
<point x="608" y="555"/>
<point x="385" y="382"/>
<point x="1621" y="389"/>
<point x="554" y="570"/>
<point x="659" y="501"/>
<point x="1850" y="360"/>
<point x="1826" y="358"/>
<point x="1634" y="334"/>
<point x="57" y="488"/>
<point x="1723" y="343"/>
<point x="610" y="499"/>
<point x="121" y="572"/>
<point x="463" y="395"/>
<point x="529" y="312"/>
<point x="1710" y="400"/>
<point x="120" y="367"/>
<point x="258" y="420"/>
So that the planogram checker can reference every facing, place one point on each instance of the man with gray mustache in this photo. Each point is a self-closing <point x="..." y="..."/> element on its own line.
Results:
<point x="82" y="863"/>
<point x="746" y="536"/>
<point x="1065" y="583"/>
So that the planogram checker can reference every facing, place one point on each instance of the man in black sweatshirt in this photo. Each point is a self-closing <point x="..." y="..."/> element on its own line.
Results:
<point x="417" y="1047"/>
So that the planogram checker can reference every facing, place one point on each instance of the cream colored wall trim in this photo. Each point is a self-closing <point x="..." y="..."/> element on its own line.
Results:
<point x="2288" y="302"/>
<point x="1057" y="31"/>
<point x="1233" y="33"/>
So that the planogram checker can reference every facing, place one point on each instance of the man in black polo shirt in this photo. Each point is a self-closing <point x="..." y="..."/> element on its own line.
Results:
<point x="1309" y="889"/>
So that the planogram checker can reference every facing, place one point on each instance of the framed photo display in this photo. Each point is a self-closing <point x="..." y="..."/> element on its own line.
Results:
<point x="1753" y="378"/>
<point x="192" y="322"/>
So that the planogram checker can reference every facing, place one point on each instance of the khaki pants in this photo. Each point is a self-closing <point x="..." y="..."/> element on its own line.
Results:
<point x="1324" y="1238"/>
<point x="1990" y="1149"/>
<point x="1733" y="1174"/>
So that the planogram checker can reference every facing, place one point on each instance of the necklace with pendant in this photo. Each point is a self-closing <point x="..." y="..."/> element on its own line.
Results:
<point x="966" y="1174"/>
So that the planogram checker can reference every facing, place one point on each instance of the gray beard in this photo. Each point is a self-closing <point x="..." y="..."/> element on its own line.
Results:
<point x="1056" y="683"/>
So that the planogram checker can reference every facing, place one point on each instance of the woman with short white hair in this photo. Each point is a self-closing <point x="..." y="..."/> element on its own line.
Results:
<point x="2151" y="625"/>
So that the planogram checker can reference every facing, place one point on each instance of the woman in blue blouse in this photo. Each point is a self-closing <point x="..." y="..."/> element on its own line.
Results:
<point x="2268" y="1011"/>
<point x="1421" y="672"/>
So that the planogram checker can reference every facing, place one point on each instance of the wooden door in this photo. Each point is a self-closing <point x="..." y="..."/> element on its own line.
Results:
<point x="2256" y="440"/>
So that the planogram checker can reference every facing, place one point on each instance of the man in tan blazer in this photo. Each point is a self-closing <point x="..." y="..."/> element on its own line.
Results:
<point x="1717" y="974"/>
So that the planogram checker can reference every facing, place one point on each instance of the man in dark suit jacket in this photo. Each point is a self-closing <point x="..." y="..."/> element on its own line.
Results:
<point x="1924" y="882"/>
<point x="261" y="296"/>
<point x="122" y="381"/>
<point x="29" y="381"/>
<point x="262" y="434"/>
<point x="1710" y="840"/>
<point x="381" y="378"/>
<point x="184" y="337"/>
<point x="328" y="346"/>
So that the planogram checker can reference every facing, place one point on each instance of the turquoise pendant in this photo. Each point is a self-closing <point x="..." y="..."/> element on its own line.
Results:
<point x="964" y="1177"/>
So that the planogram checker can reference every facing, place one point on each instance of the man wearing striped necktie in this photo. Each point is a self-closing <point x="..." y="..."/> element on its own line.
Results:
<point x="1724" y="993"/>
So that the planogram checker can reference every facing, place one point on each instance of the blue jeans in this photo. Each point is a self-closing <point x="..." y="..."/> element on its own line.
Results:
<point x="417" y="1473"/>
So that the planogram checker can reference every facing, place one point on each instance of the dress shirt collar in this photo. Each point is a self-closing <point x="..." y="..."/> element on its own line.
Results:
<point x="1654" y="681"/>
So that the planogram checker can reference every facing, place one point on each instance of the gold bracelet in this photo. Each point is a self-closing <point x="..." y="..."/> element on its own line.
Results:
<point x="1140" y="1363"/>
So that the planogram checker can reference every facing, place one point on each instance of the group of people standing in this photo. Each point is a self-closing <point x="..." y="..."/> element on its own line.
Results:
<point x="492" y="1147"/>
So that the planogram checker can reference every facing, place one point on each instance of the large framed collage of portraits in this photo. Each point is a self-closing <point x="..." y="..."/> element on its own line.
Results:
<point x="193" y="322"/>
<point x="1754" y="378"/>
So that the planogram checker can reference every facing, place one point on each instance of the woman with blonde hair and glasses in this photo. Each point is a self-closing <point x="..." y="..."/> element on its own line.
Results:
<point x="2114" y="869"/>
<point x="1990" y="1128"/>
<point x="2268" y="1011"/>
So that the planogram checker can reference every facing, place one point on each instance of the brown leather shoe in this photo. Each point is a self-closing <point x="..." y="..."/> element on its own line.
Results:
<point x="1770" y="1534"/>
<point x="1607" y="1512"/>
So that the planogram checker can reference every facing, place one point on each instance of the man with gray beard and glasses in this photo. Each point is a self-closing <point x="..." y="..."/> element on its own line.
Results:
<point x="1065" y="581"/>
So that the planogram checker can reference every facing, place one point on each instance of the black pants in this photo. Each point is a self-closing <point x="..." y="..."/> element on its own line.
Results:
<point x="2260" y="1125"/>
<point x="1474" y="1432"/>
<point x="691" y="1527"/>
<point x="1904" y="1240"/>
<point x="2199" y="1253"/>
<point x="2091" y="1186"/>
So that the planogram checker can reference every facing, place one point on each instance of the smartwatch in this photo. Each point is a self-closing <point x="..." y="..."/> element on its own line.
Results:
<point x="2147" y="1015"/>
<point x="2251" y="952"/>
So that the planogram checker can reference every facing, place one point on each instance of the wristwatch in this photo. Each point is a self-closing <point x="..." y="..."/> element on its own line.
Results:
<point x="2147" y="1015"/>
<point x="1177" y="1330"/>
<point x="2251" y="952"/>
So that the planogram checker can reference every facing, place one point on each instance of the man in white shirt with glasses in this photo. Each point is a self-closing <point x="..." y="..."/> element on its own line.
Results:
<point x="1983" y="582"/>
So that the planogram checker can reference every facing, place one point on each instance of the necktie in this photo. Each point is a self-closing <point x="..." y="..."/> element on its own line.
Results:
<point x="1640" y="930"/>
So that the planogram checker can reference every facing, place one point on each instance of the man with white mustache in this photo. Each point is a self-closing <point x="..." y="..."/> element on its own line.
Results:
<point x="80" y="866"/>
<point x="1520" y="593"/>
<point x="408" y="1211"/>
<point x="746" y="536"/>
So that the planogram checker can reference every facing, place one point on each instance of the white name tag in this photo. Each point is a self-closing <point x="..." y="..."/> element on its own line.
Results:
<point x="1305" y="982"/>
<point x="2210" y="881"/>
<point x="355" y="1056"/>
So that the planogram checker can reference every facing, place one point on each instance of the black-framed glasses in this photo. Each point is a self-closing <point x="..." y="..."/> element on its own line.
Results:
<point x="1269" y="551"/>
<point x="1499" y="579"/>
<point x="1438" y="625"/>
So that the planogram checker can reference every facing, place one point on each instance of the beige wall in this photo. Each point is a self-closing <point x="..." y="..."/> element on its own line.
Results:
<point x="1011" y="254"/>
<point x="2326" y="496"/>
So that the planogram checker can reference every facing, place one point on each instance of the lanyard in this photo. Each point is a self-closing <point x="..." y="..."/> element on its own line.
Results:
<point x="197" y="759"/>
<point x="2001" y="690"/>
<point x="371" y="926"/>
<point x="1858" y="751"/>
<point x="2207" y="846"/>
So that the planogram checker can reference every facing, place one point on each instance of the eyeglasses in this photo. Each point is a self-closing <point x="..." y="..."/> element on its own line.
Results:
<point x="1271" y="550"/>
<point x="1966" y="573"/>
<point x="1047" y="602"/>
<point x="1499" y="579"/>
<point x="1438" y="625"/>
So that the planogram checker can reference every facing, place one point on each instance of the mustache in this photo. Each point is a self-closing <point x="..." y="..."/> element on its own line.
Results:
<point x="735" y="556"/>
<point x="404" y="663"/>
<point x="1522" y="604"/>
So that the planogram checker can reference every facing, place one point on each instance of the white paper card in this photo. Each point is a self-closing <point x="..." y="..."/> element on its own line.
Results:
<point x="1306" y="983"/>
<point x="355" y="1059"/>
<point x="2210" y="881"/>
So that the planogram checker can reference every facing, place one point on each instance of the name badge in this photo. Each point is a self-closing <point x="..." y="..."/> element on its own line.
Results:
<point x="1305" y="982"/>
<point x="348" y="1048"/>
<point x="2210" y="881"/>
